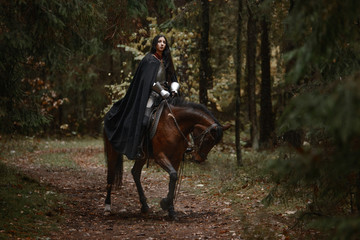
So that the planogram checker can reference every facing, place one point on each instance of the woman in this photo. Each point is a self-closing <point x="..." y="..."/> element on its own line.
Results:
<point x="155" y="77"/>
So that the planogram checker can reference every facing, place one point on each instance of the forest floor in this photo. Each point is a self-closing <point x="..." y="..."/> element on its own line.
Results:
<point x="204" y="207"/>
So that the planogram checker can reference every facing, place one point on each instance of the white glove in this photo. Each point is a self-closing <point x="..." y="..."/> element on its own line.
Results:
<point x="165" y="94"/>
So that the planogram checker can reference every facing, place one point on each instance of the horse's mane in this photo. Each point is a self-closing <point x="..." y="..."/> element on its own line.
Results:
<point x="181" y="102"/>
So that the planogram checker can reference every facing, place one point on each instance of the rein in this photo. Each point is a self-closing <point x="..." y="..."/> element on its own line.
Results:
<point x="180" y="172"/>
<point x="201" y="136"/>
<point x="177" y="125"/>
<point x="193" y="147"/>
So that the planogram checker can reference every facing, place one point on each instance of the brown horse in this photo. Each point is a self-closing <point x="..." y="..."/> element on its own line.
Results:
<point x="178" y="119"/>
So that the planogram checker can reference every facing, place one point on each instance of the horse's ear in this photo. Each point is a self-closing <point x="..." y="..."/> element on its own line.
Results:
<point x="226" y="127"/>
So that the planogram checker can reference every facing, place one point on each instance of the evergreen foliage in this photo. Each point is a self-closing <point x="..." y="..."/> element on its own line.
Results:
<point x="137" y="8"/>
<point x="39" y="40"/>
<point x="327" y="107"/>
<point x="57" y="56"/>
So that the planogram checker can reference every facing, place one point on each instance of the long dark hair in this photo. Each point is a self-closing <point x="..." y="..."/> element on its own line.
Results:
<point x="168" y="62"/>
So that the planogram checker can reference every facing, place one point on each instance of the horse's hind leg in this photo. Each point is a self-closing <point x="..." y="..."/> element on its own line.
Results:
<point x="107" y="209"/>
<point x="110" y="181"/>
<point x="114" y="171"/>
<point x="136" y="172"/>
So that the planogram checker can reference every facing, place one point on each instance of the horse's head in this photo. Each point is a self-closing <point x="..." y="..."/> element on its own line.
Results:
<point x="203" y="126"/>
<point x="205" y="138"/>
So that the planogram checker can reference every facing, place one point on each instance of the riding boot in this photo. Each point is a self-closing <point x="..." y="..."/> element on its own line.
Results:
<point x="145" y="123"/>
<point x="146" y="118"/>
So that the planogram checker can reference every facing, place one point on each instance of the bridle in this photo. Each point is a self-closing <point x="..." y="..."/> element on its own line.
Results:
<point x="202" y="135"/>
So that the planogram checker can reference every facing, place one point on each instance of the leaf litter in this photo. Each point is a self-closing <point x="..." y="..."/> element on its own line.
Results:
<point x="202" y="214"/>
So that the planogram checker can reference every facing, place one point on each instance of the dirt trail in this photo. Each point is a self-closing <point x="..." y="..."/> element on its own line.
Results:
<point x="200" y="216"/>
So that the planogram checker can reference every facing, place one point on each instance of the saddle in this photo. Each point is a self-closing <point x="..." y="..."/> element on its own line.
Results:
<point x="154" y="120"/>
<point x="151" y="130"/>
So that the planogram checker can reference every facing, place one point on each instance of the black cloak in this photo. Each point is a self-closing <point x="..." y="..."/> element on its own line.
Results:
<point x="123" y="122"/>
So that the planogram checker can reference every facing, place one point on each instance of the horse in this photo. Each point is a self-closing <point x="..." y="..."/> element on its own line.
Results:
<point x="178" y="120"/>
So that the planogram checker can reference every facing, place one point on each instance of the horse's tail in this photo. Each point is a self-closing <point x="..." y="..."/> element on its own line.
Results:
<point x="114" y="162"/>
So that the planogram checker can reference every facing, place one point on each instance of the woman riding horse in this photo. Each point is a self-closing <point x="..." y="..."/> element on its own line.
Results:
<point x="177" y="121"/>
<point x="126" y="121"/>
<point x="154" y="78"/>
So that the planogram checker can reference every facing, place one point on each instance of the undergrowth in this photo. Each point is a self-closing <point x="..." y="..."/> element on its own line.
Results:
<point x="27" y="208"/>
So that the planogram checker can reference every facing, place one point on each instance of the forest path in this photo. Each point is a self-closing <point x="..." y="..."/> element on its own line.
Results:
<point x="201" y="215"/>
<point x="198" y="216"/>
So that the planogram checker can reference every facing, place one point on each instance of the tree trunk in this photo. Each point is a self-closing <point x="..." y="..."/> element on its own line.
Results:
<point x="293" y="137"/>
<point x="205" y="68"/>
<point x="266" y="113"/>
<point x="251" y="76"/>
<point x="237" y="88"/>
<point x="357" y="194"/>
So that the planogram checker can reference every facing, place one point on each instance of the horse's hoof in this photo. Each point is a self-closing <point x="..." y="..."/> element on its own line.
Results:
<point x="164" y="204"/>
<point x="173" y="218"/>
<point x="145" y="209"/>
<point x="107" y="210"/>
<point x="172" y="215"/>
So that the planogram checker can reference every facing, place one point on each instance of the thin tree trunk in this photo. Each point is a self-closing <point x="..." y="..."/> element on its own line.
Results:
<point x="251" y="76"/>
<point x="266" y="113"/>
<point x="294" y="137"/>
<point x="205" y="69"/>
<point x="237" y="88"/>
<point x="111" y="74"/>
<point x="83" y="105"/>
<point x="357" y="194"/>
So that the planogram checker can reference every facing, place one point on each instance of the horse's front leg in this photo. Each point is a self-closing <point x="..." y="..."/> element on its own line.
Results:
<point x="136" y="172"/>
<point x="168" y="202"/>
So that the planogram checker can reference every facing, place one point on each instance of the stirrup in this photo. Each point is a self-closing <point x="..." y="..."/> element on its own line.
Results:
<point x="189" y="150"/>
<point x="140" y="153"/>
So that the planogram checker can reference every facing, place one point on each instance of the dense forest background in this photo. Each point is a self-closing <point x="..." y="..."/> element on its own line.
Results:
<point x="284" y="73"/>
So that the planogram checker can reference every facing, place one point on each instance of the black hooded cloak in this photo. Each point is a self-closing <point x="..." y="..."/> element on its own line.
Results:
<point x="123" y="122"/>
